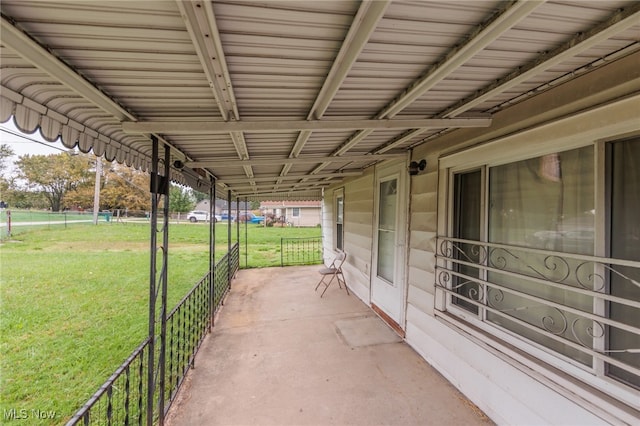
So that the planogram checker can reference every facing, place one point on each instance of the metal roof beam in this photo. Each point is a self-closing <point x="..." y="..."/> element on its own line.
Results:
<point x="364" y="24"/>
<point x="477" y="41"/>
<point x="201" y="25"/>
<point x="480" y="39"/>
<point x="232" y="162"/>
<point x="273" y="186"/>
<point x="220" y="127"/>
<point x="276" y="179"/>
<point x="287" y="192"/>
<point x="620" y="21"/>
<point x="203" y="30"/>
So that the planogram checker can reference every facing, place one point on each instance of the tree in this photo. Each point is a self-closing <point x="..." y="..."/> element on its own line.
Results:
<point x="199" y="196"/>
<point x="54" y="175"/>
<point x="181" y="200"/>
<point x="6" y="152"/>
<point x="5" y="183"/>
<point x="125" y="188"/>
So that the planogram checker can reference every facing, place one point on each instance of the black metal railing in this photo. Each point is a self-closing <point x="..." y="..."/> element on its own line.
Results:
<point x="122" y="399"/>
<point x="187" y="325"/>
<point x="300" y="251"/>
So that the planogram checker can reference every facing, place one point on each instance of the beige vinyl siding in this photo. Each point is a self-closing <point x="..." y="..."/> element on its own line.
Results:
<point x="309" y="216"/>
<point x="358" y="231"/>
<point x="422" y="235"/>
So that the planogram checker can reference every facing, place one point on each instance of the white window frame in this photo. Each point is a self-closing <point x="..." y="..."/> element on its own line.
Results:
<point x="295" y="211"/>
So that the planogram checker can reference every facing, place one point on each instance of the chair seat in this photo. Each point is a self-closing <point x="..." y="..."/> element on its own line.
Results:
<point x="331" y="272"/>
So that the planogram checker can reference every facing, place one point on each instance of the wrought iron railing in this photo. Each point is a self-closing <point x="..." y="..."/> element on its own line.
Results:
<point x="300" y="251"/>
<point x="122" y="400"/>
<point x="584" y="308"/>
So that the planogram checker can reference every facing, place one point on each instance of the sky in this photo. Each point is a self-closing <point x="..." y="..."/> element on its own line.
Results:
<point x="23" y="143"/>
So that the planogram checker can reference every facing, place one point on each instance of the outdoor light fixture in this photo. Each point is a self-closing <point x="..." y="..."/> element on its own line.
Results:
<point x="416" y="167"/>
<point x="178" y="164"/>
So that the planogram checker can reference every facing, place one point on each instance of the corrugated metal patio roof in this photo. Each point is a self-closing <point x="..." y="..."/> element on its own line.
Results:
<point x="279" y="99"/>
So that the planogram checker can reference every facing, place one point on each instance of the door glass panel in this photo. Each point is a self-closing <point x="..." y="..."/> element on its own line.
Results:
<point x="387" y="212"/>
<point x="339" y="223"/>
<point x="625" y="244"/>
<point x="467" y="204"/>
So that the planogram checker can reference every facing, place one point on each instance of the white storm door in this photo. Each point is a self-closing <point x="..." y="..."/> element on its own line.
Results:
<point x="387" y="282"/>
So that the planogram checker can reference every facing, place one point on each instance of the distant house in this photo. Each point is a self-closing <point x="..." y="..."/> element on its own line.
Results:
<point x="221" y="206"/>
<point x="297" y="213"/>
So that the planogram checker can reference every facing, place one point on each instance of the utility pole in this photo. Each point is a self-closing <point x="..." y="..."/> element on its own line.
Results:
<point x="96" y="193"/>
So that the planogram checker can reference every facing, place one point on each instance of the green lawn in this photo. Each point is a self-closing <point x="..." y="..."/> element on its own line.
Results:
<point x="74" y="302"/>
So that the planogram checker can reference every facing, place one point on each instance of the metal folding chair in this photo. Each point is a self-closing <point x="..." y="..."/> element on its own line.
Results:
<point x="333" y="271"/>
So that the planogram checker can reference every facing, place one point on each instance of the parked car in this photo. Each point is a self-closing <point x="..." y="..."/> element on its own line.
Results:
<point x="201" y="215"/>
<point x="251" y="218"/>
<point x="225" y="217"/>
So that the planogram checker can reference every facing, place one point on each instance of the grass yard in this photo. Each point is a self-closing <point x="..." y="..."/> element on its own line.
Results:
<point x="74" y="303"/>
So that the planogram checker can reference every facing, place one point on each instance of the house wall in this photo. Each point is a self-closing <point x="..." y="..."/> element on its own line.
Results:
<point x="309" y="216"/>
<point x="508" y="385"/>
<point x="358" y="231"/>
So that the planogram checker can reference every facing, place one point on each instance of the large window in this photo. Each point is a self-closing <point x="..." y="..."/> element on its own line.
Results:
<point x="624" y="243"/>
<point x="547" y="258"/>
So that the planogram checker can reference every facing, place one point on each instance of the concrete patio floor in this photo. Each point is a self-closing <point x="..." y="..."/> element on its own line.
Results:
<point x="281" y="355"/>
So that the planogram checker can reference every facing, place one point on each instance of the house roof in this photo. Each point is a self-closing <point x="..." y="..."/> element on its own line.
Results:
<point x="279" y="99"/>
<point x="290" y="203"/>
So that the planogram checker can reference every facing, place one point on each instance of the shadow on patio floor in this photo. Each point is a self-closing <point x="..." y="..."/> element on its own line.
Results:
<point x="281" y="355"/>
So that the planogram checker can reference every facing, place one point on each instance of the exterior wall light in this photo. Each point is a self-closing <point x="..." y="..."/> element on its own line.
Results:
<point x="416" y="167"/>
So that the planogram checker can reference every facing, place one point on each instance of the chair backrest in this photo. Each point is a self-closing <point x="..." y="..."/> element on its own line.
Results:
<point x="339" y="260"/>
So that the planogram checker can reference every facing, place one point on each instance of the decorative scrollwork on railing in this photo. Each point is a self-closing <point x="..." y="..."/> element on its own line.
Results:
<point x="446" y="248"/>
<point x="474" y="292"/>
<point x="552" y="320"/>
<point x="589" y="328"/>
<point x="587" y="278"/>
<point x="495" y="297"/>
<point x="443" y="278"/>
<point x="469" y="252"/>
<point x="550" y="324"/>
<point x="553" y="268"/>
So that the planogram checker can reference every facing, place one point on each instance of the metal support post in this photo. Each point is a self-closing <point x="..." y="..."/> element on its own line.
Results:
<point x="238" y="222"/>
<point x="164" y="283"/>
<point x="229" y="239"/>
<point x="157" y="285"/>
<point x="212" y="251"/>
<point x="246" y="238"/>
